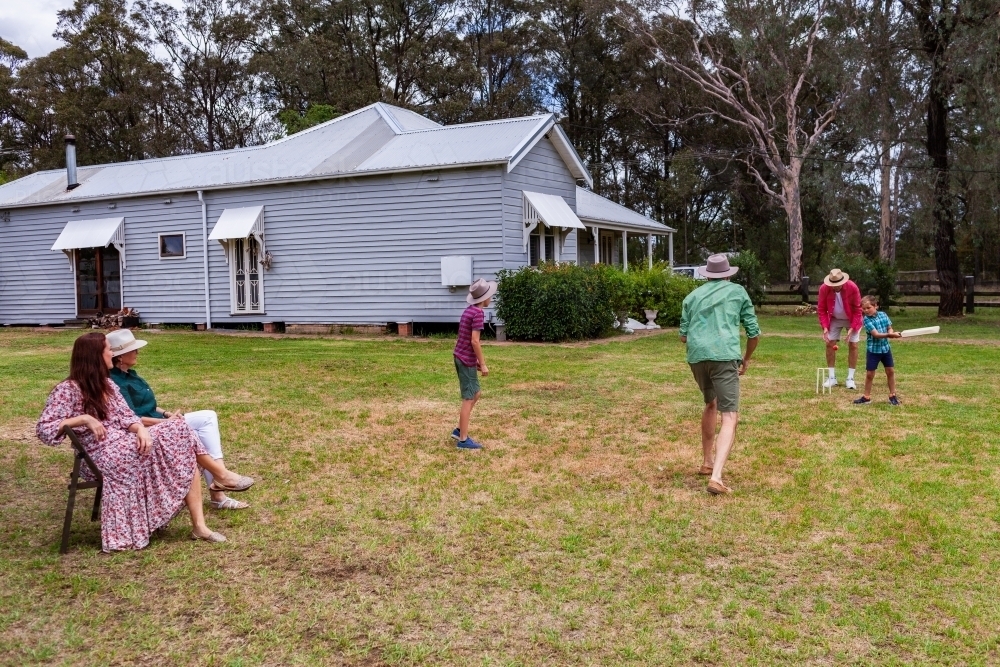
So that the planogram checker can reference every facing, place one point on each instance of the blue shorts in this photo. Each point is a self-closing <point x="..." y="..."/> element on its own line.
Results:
<point x="873" y="358"/>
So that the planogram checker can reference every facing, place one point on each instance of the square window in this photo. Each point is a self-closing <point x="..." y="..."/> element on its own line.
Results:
<point x="172" y="246"/>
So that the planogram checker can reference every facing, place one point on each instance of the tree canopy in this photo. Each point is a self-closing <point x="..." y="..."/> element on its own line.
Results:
<point x="803" y="130"/>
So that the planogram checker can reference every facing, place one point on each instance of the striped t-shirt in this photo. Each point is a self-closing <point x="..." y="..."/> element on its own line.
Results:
<point x="472" y="320"/>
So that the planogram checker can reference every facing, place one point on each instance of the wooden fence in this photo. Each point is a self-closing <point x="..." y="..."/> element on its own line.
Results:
<point x="912" y="292"/>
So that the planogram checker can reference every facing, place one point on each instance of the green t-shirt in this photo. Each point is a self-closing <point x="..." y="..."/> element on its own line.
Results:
<point x="711" y="317"/>
<point x="137" y="393"/>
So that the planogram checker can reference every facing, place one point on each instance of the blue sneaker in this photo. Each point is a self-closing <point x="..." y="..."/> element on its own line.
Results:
<point x="893" y="400"/>
<point x="862" y="400"/>
<point x="468" y="443"/>
<point x="456" y="434"/>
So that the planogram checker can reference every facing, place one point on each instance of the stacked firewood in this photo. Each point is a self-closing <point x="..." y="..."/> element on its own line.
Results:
<point x="805" y="309"/>
<point x="124" y="317"/>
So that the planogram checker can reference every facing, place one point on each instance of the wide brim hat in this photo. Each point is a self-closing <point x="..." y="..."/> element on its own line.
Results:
<point x="717" y="266"/>
<point x="481" y="290"/>
<point x="122" y="341"/>
<point x="836" y="278"/>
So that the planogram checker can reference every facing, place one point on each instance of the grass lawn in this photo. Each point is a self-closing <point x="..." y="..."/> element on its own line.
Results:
<point x="580" y="535"/>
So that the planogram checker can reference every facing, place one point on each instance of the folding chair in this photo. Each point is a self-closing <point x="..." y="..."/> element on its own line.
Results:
<point x="75" y="483"/>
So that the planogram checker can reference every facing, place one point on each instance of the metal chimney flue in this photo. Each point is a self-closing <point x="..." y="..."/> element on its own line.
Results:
<point x="71" y="181"/>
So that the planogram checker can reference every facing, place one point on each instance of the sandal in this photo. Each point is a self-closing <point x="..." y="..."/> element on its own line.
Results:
<point x="718" y="489"/>
<point x="212" y="537"/>
<point x="705" y="470"/>
<point x="228" y="504"/>
<point x="244" y="484"/>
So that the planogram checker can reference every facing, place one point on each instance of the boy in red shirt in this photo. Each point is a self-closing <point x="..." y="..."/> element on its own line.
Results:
<point x="469" y="357"/>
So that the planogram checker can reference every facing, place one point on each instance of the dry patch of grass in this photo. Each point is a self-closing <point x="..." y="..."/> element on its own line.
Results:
<point x="579" y="535"/>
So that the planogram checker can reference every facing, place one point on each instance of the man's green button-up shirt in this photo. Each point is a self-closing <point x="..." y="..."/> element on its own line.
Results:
<point x="711" y="317"/>
<point x="137" y="393"/>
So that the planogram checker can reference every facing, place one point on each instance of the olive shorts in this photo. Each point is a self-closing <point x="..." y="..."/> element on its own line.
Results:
<point x="468" y="379"/>
<point x="719" y="380"/>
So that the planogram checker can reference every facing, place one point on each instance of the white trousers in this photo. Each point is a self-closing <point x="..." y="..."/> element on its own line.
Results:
<point x="205" y="424"/>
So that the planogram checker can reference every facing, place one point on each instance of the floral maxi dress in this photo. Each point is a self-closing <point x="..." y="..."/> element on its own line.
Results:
<point x="141" y="493"/>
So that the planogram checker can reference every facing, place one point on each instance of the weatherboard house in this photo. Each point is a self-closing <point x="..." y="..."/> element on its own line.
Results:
<point x="375" y="217"/>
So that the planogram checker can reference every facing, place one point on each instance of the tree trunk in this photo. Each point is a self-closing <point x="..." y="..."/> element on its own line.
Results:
<point x="793" y="209"/>
<point x="886" y="230"/>
<point x="945" y="253"/>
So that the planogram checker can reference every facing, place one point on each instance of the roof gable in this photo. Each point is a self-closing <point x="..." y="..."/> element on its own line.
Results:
<point x="375" y="139"/>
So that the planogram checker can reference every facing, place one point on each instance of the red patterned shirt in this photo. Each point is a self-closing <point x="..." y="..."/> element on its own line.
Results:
<point x="472" y="320"/>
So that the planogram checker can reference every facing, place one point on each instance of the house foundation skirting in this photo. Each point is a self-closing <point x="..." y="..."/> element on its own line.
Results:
<point x="311" y="328"/>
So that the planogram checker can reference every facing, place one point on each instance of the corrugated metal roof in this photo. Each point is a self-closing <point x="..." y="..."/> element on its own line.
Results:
<point x="471" y="143"/>
<point x="377" y="138"/>
<point x="592" y="207"/>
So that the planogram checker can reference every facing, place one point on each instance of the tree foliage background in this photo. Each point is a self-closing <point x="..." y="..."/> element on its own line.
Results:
<point x="887" y="177"/>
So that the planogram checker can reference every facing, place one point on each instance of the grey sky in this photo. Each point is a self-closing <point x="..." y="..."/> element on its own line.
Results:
<point x="30" y="23"/>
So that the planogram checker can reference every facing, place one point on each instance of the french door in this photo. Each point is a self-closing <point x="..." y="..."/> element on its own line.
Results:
<point x="98" y="280"/>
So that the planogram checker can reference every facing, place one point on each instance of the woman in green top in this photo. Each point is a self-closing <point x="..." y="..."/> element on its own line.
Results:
<point x="205" y="423"/>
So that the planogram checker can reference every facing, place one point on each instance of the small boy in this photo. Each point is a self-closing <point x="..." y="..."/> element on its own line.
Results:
<point x="469" y="357"/>
<point x="879" y="330"/>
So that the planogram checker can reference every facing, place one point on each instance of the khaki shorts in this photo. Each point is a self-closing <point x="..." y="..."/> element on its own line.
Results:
<point x="836" y="326"/>
<point x="468" y="379"/>
<point x="719" y="380"/>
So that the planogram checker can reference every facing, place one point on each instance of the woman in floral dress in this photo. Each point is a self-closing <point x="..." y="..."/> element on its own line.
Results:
<point x="149" y="474"/>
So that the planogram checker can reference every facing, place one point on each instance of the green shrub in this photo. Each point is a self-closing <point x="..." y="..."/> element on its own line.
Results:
<point x="752" y="275"/>
<point x="566" y="301"/>
<point x="871" y="277"/>
<point x="662" y="290"/>
<point x="556" y="302"/>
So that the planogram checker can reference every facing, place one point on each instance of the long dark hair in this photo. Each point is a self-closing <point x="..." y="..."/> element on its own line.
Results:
<point x="87" y="370"/>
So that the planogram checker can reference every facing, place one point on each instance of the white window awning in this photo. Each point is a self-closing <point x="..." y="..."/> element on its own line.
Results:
<point x="99" y="233"/>
<point x="238" y="223"/>
<point x="550" y="210"/>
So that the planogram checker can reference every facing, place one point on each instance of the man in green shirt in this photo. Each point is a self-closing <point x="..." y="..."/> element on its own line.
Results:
<point x="710" y="327"/>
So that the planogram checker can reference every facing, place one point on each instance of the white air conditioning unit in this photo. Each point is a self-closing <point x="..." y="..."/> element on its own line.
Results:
<point x="456" y="271"/>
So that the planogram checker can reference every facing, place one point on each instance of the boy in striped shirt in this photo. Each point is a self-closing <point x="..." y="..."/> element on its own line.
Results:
<point x="469" y="357"/>
<point x="879" y="329"/>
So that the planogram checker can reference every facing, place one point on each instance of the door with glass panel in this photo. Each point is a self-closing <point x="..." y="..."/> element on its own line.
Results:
<point x="98" y="280"/>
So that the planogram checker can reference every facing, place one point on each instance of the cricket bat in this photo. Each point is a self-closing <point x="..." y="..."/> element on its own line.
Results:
<point x="919" y="332"/>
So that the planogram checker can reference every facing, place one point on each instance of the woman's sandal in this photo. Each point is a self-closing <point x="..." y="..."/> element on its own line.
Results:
<point x="705" y="470"/>
<point x="228" y="504"/>
<point x="718" y="489"/>
<point x="213" y="537"/>
<point x="244" y="484"/>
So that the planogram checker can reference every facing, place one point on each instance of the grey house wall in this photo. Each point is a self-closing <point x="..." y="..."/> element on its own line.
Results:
<point x="541" y="170"/>
<point x="36" y="285"/>
<point x="364" y="250"/>
<point x="361" y="250"/>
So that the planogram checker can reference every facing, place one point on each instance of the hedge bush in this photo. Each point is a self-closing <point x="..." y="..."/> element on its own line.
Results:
<point x="555" y="302"/>
<point x="565" y="301"/>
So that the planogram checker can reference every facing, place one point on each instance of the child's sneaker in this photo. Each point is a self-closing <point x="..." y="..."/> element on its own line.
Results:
<point x="893" y="400"/>
<point x="850" y="384"/>
<point x="862" y="400"/>
<point x="456" y="434"/>
<point x="468" y="443"/>
<point x="830" y="383"/>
